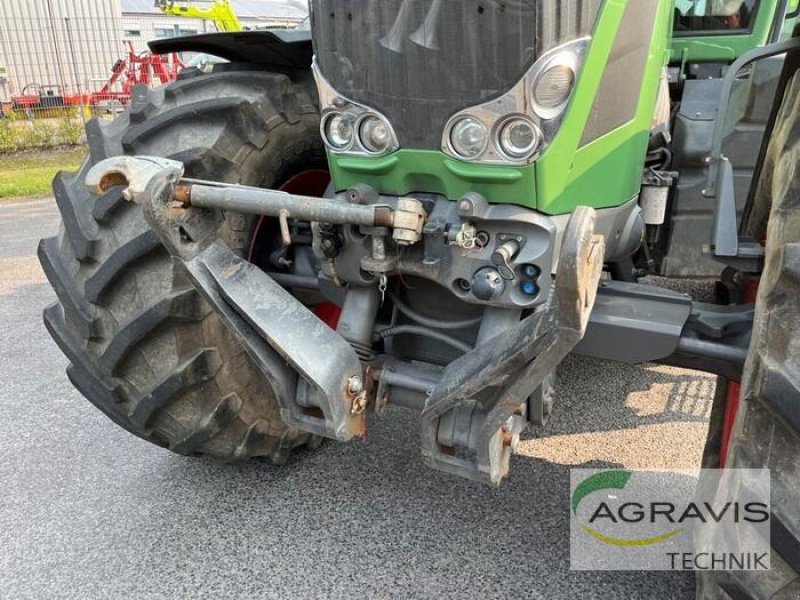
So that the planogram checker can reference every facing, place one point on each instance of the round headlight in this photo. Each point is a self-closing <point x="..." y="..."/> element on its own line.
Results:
<point x="374" y="134"/>
<point x="468" y="137"/>
<point x="338" y="131"/>
<point x="519" y="138"/>
<point x="553" y="87"/>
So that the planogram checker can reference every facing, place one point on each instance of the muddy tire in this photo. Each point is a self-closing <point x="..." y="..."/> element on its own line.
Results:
<point x="143" y="345"/>
<point x="766" y="432"/>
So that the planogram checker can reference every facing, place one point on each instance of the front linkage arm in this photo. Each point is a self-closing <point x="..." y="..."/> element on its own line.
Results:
<point x="476" y="405"/>
<point x="282" y="336"/>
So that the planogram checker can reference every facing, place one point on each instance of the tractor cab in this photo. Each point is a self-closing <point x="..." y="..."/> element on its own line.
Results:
<point x="719" y="31"/>
<point x="708" y="36"/>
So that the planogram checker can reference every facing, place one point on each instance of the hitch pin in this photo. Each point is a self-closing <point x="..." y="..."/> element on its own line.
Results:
<point x="283" y="218"/>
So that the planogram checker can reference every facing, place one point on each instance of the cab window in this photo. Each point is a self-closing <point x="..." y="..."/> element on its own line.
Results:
<point x="699" y="16"/>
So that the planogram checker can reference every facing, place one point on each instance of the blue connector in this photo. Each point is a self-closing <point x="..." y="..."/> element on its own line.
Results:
<point x="531" y="271"/>
<point x="529" y="288"/>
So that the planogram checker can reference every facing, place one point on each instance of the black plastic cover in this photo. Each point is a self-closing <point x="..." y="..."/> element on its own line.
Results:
<point x="280" y="50"/>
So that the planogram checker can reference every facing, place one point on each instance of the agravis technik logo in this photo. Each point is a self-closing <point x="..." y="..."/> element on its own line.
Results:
<point x="630" y="520"/>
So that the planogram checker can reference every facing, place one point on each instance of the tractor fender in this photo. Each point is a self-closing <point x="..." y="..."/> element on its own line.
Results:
<point x="276" y="50"/>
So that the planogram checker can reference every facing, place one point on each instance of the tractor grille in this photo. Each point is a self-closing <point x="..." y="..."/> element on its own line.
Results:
<point x="420" y="61"/>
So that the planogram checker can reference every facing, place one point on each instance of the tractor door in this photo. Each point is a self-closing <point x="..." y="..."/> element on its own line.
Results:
<point x="708" y="35"/>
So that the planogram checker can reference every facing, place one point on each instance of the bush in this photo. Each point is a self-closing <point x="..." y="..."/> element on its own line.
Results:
<point x="7" y="138"/>
<point x="18" y="133"/>
<point x="70" y="130"/>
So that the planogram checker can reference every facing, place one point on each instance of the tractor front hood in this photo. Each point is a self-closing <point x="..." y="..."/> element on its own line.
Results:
<point x="419" y="62"/>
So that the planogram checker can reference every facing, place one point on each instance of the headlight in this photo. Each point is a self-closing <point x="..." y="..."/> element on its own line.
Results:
<point x="338" y="130"/>
<point x="519" y="138"/>
<point x="552" y="88"/>
<point x="517" y="126"/>
<point x="468" y="137"/>
<point x="374" y="134"/>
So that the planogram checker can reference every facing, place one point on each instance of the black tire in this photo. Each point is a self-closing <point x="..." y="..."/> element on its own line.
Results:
<point x="766" y="432"/>
<point x="143" y="346"/>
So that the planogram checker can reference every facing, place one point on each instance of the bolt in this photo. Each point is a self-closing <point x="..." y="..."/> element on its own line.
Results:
<point x="465" y="206"/>
<point x="355" y="385"/>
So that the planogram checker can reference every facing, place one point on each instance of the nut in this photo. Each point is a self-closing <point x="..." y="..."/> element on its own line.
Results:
<point x="355" y="385"/>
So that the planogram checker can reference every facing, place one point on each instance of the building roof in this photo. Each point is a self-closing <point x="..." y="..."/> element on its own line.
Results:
<point x="247" y="9"/>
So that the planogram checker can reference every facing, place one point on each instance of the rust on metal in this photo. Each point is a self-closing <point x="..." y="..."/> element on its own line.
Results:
<point x="359" y="403"/>
<point x="183" y="194"/>
<point x="508" y="438"/>
<point x="111" y="179"/>
<point x="384" y="217"/>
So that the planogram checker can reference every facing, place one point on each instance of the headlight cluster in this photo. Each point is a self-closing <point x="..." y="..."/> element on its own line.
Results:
<point x="511" y="129"/>
<point x="516" y="127"/>
<point x="358" y="132"/>
<point x="348" y="127"/>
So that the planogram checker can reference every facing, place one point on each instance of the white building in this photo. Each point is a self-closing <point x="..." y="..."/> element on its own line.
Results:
<point x="57" y="44"/>
<point x="71" y="46"/>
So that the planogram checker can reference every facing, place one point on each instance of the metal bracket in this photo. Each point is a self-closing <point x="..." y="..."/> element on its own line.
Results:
<point x="725" y="236"/>
<point x="726" y="245"/>
<point x="475" y="406"/>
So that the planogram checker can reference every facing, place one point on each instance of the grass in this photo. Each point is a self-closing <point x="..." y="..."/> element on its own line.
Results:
<point x="30" y="174"/>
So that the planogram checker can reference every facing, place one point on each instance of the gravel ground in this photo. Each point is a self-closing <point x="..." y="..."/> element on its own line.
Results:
<point x="89" y="511"/>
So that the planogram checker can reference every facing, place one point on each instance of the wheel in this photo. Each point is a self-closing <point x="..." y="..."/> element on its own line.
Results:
<point x="766" y="429"/>
<point x="143" y="345"/>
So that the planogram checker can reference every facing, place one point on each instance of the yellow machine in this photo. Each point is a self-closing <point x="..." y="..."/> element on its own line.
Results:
<point x="220" y="12"/>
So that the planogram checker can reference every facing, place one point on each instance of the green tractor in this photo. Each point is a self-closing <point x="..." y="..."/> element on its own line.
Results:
<point x="429" y="204"/>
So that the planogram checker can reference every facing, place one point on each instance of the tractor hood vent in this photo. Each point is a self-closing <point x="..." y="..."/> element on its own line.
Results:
<point x="420" y="61"/>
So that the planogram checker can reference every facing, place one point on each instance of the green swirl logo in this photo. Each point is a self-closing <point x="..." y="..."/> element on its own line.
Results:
<point x="611" y="480"/>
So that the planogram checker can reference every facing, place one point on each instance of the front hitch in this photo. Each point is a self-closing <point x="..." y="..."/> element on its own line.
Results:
<point x="473" y="412"/>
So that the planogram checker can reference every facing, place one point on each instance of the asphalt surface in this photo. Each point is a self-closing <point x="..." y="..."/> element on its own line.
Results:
<point x="89" y="511"/>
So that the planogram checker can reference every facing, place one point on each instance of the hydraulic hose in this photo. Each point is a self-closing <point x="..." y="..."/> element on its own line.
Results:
<point x="424" y="332"/>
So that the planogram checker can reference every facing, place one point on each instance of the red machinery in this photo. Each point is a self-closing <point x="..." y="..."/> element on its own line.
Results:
<point x="144" y="68"/>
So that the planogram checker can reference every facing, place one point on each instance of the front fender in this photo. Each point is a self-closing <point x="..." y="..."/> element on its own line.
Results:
<point x="278" y="50"/>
